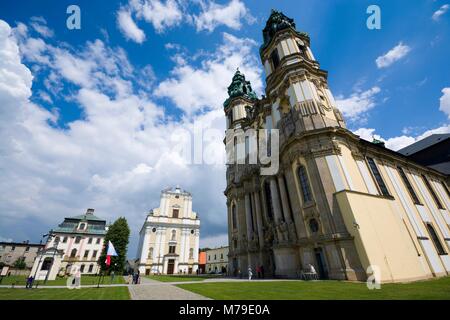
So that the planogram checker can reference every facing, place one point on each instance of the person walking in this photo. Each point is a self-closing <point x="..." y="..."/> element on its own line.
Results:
<point x="30" y="282"/>
<point x="258" y="272"/>
<point x="250" y="273"/>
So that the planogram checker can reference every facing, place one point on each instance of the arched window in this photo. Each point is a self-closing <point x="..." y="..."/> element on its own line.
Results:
<point x="304" y="184"/>
<point x="174" y="235"/>
<point x="47" y="264"/>
<point x="73" y="253"/>
<point x="437" y="243"/>
<point x="82" y="268"/>
<point x="233" y="216"/>
<point x="275" y="58"/>
<point x="268" y="196"/>
<point x="91" y="267"/>
<point x="82" y="226"/>
<point x="313" y="225"/>
<point x="150" y="253"/>
<point x="191" y="253"/>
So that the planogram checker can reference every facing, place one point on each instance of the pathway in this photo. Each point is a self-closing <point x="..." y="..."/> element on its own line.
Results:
<point x="155" y="290"/>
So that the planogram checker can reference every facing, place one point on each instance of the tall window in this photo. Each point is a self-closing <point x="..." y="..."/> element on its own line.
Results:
<point x="171" y="249"/>
<point x="408" y="186"/>
<point x="191" y="253"/>
<point x="94" y="254"/>
<point x="89" y="240"/>
<point x="433" y="194"/>
<point x="304" y="184"/>
<point x="82" y="268"/>
<point x="435" y="238"/>
<point x="378" y="178"/>
<point x="268" y="196"/>
<point x="90" y="268"/>
<point x="175" y="213"/>
<point x="230" y="118"/>
<point x="77" y="239"/>
<point x="150" y="253"/>
<point x="86" y="253"/>
<point x="73" y="253"/>
<point x="446" y="189"/>
<point x="174" y="235"/>
<point x="233" y="216"/>
<point x="275" y="58"/>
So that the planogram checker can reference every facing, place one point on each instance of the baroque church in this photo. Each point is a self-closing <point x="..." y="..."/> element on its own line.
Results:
<point x="349" y="207"/>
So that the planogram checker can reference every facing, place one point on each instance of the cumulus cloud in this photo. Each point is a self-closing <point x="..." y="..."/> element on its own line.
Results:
<point x="441" y="11"/>
<point x="355" y="107"/>
<point x="393" y="55"/>
<point x="163" y="15"/>
<point x="399" y="142"/>
<point x="120" y="153"/>
<point x="194" y="89"/>
<point x="128" y="26"/>
<point x="444" y="102"/>
<point x="39" y="24"/>
<point x="230" y="15"/>
<point x="214" y="241"/>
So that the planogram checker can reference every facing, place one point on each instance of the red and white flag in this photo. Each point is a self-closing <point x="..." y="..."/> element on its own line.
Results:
<point x="111" y="252"/>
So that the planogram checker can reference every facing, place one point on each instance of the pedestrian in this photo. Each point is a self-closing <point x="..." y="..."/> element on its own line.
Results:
<point x="262" y="271"/>
<point x="258" y="271"/>
<point x="30" y="282"/>
<point x="239" y="273"/>
<point x="250" y="273"/>
<point x="138" y="279"/>
<point x="112" y="276"/>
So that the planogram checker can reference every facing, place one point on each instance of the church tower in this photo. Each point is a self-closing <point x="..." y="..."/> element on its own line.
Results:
<point x="337" y="204"/>
<point x="295" y="82"/>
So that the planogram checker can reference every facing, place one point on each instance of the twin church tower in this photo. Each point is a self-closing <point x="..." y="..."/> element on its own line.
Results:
<point x="349" y="207"/>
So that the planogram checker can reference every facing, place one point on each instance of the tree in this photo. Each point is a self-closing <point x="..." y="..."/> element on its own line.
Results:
<point x="118" y="233"/>
<point x="20" y="263"/>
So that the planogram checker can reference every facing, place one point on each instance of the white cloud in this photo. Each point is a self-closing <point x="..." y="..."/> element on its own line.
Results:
<point x="39" y="24"/>
<point x="196" y="88"/>
<point x="129" y="27"/>
<point x="393" y="55"/>
<point x="216" y="241"/>
<point x="438" y="13"/>
<point x="214" y="15"/>
<point x="357" y="104"/>
<point x="444" y="102"/>
<point x="161" y="14"/>
<point x="116" y="158"/>
<point x="397" y="143"/>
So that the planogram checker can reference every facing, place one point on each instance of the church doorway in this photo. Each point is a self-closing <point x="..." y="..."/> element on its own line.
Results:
<point x="320" y="259"/>
<point x="170" y="266"/>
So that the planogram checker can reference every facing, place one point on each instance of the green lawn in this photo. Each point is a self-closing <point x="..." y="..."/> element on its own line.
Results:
<point x="320" y="290"/>
<point x="59" y="281"/>
<point x="176" y="278"/>
<point x="112" y="293"/>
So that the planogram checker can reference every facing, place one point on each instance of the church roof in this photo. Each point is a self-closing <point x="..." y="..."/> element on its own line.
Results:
<point x="277" y="21"/>
<point x="424" y="143"/>
<point x="240" y="87"/>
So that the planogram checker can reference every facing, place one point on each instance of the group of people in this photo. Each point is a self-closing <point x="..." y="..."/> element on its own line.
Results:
<point x="259" y="272"/>
<point x="134" y="278"/>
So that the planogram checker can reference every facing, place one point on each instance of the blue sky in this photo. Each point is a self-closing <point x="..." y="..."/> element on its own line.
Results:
<point x="87" y="115"/>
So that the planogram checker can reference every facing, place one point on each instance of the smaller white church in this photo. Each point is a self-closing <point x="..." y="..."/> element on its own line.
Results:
<point x="169" y="238"/>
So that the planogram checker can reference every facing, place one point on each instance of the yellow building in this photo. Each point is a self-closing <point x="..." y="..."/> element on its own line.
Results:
<point x="349" y="207"/>
<point x="169" y="238"/>
<point x="217" y="260"/>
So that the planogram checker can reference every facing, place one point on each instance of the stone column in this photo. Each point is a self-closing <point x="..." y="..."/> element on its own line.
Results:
<point x="156" y="250"/>
<point x="248" y="216"/>
<point x="145" y="246"/>
<point x="284" y="200"/>
<point x="182" y="241"/>
<point x="275" y="200"/>
<point x="162" y="245"/>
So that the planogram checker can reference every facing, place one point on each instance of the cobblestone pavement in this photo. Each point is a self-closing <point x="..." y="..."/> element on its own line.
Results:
<point x="155" y="290"/>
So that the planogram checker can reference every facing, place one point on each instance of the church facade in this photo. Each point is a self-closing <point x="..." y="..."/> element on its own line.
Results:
<point x="169" y="238"/>
<point x="349" y="207"/>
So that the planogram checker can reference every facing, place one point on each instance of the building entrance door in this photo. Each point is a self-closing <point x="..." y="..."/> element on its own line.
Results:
<point x="320" y="259"/>
<point x="170" y="266"/>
